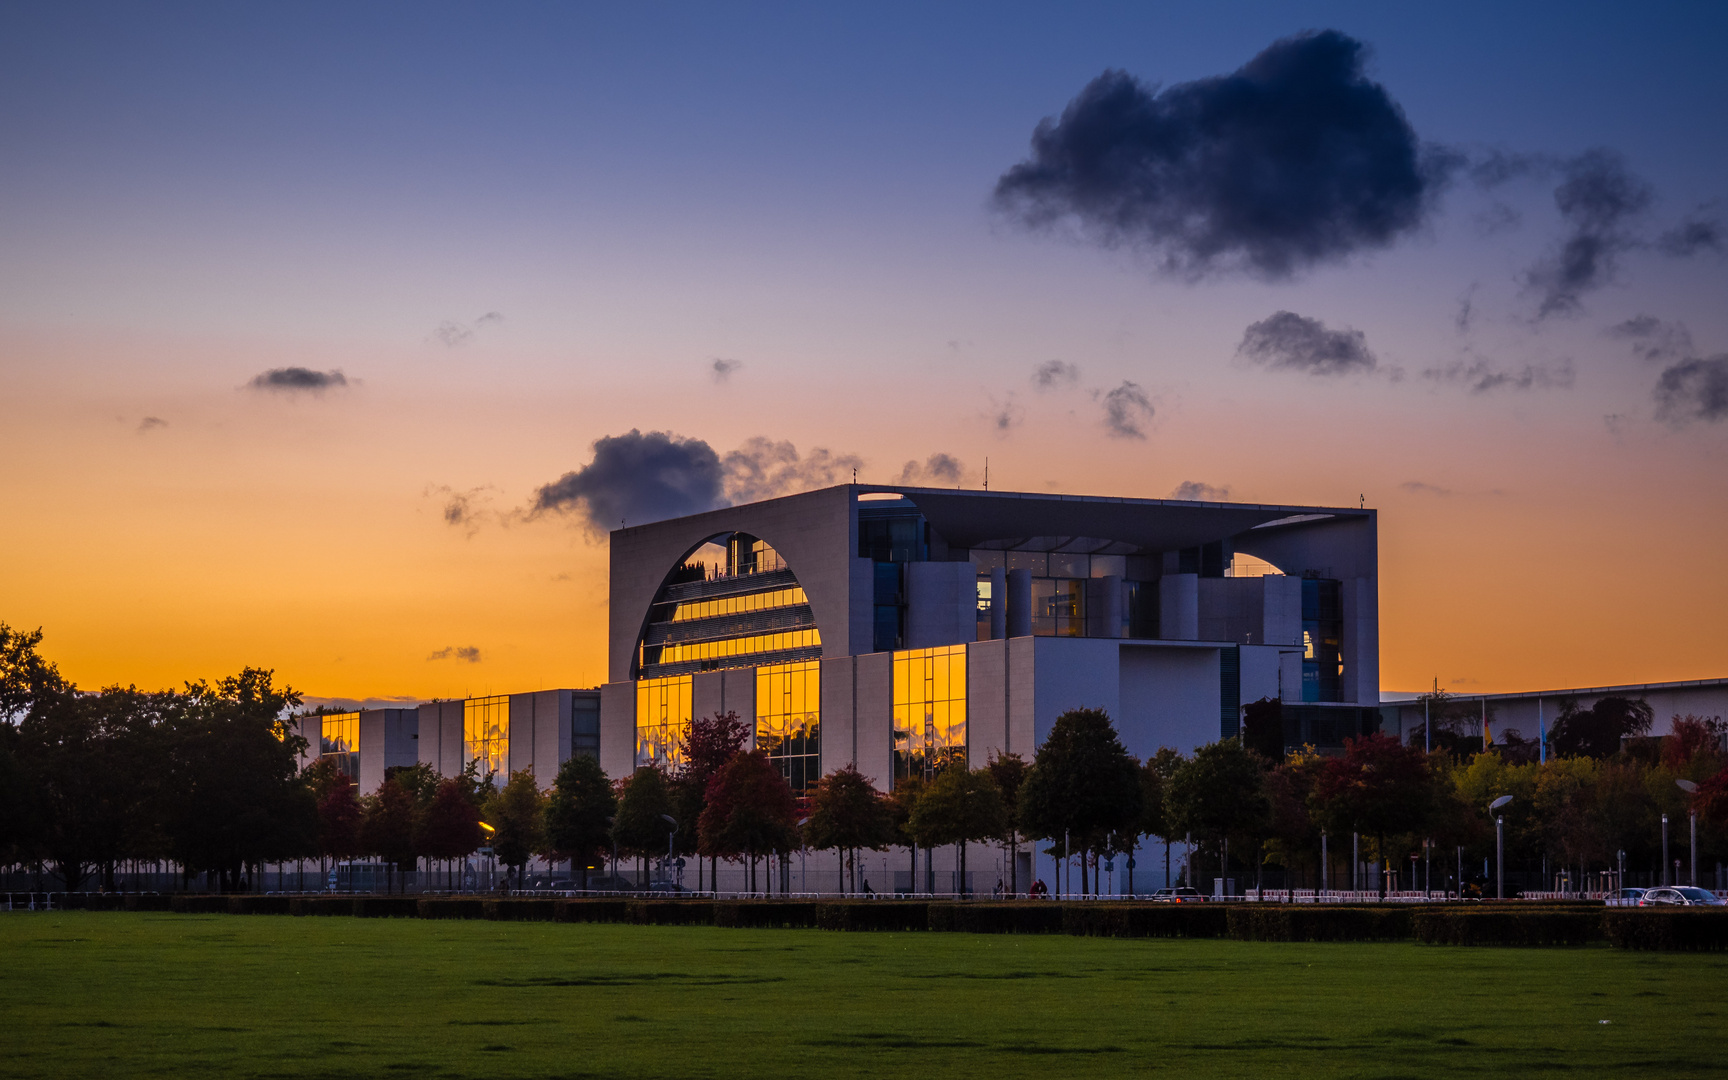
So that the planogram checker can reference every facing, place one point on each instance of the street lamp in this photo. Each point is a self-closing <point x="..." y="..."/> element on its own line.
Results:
<point x="670" y="837"/>
<point x="1690" y="788"/>
<point x="1665" y="880"/>
<point x="1499" y="847"/>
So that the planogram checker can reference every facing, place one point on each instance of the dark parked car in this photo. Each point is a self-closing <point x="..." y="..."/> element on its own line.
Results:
<point x="1177" y="896"/>
<point x="1626" y="898"/>
<point x="1680" y="896"/>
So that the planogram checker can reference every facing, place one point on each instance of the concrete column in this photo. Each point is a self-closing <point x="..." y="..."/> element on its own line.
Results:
<point x="1104" y="607"/>
<point x="1179" y="607"/>
<point x="1019" y="603"/>
<point x="998" y="603"/>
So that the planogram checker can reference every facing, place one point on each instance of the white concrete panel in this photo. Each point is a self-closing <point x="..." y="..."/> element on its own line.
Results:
<point x="706" y="693"/>
<point x="986" y="701"/>
<point x="1281" y="622"/>
<point x="875" y="717"/>
<point x="839" y="733"/>
<point x="618" y="729"/>
<point x="941" y="604"/>
<point x="1071" y="673"/>
<point x="1179" y="607"/>
<point x="1361" y="645"/>
<point x="1262" y="675"/>
<point x="1022" y="736"/>
<point x="1169" y="697"/>
<point x="738" y="695"/>
<point x="371" y="750"/>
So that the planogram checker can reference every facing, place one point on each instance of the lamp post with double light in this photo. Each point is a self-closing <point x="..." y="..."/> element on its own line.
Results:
<point x="1692" y="789"/>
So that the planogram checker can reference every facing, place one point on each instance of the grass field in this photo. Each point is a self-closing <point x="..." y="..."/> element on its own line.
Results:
<point x="120" y="995"/>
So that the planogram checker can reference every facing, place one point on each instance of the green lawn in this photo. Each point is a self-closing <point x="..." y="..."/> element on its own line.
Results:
<point x="115" y="995"/>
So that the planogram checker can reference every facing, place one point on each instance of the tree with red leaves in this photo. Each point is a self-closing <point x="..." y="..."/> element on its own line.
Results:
<point x="1380" y="788"/>
<point x="750" y="812"/>
<point x="450" y="828"/>
<point x="848" y="813"/>
<point x="387" y="826"/>
<point x="709" y="744"/>
<point x="338" y="812"/>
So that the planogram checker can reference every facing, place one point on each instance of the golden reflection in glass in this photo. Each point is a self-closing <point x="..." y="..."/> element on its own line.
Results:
<point x="740" y="646"/>
<point x="1059" y="607"/>
<point x="662" y="719"/>
<point x="929" y="730"/>
<point x="788" y="720"/>
<point x="339" y="738"/>
<point x="486" y="733"/>
<point x="735" y="605"/>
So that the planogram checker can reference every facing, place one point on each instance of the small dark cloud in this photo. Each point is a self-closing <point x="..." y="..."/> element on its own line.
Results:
<point x="1702" y="231"/>
<point x="1481" y="376"/>
<point x="721" y="369"/>
<point x="455" y="334"/>
<point x="1419" y="487"/>
<point x="1599" y="198"/>
<point x="1006" y="415"/>
<point x="465" y="510"/>
<point x="1466" y="310"/>
<point x="1055" y="375"/>
<point x="1615" y="423"/>
<point x="765" y="469"/>
<point x="636" y="478"/>
<point x="1125" y="409"/>
<point x="1695" y="389"/>
<point x="1195" y="491"/>
<point x="1292" y="161"/>
<point x="457" y="652"/>
<point x="491" y="318"/>
<point x="291" y="380"/>
<point x="151" y="423"/>
<point x="942" y="469"/>
<point x="1288" y="340"/>
<point x="1652" y="339"/>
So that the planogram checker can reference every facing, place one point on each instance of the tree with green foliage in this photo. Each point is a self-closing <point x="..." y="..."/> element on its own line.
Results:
<point x="1009" y="772"/>
<point x="1218" y="795"/>
<point x="1597" y="731"/>
<point x="419" y="780"/>
<point x="901" y="800"/>
<point x="1155" y="814"/>
<point x="1083" y="785"/>
<point x="640" y="827"/>
<point x="516" y="813"/>
<point x="235" y="795"/>
<point x="387" y="821"/>
<point x="1292" y="825"/>
<point x="958" y="807"/>
<point x="579" y="813"/>
<point x="1380" y="788"/>
<point x="751" y="812"/>
<point x="847" y="813"/>
<point x="339" y="811"/>
<point x="449" y="829"/>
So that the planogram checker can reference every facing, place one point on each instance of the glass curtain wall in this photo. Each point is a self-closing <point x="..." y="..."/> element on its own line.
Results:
<point x="486" y="734"/>
<point x="929" y="711"/>
<point x="339" y="740"/>
<point x="788" y="720"/>
<point x="662" y="719"/>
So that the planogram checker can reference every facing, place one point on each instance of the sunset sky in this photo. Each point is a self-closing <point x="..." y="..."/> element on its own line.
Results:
<point x="517" y="229"/>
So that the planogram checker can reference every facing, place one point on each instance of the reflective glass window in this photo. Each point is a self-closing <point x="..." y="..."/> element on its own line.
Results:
<point x="1058" y="607"/>
<point x="662" y="719"/>
<point x="339" y="739"/>
<point x="486" y="733"/>
<point x="788" y="720"/>
<point x="929" y="725"/>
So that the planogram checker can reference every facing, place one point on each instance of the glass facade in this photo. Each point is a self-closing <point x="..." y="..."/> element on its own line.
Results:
<point x="585" y="725"/>
<point x="1060" y="580"/>
<point x="929" y="731"/>
<point x="662" y="719"/>
<point x="734" y="604"/>
<point x="486" y="734"/>
<point x="339" y="740"/>
<point x="1322" y="640"/>
<point x="788" y="720"/>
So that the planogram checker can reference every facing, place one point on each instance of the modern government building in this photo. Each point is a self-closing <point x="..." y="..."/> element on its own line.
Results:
<point x="903" y="629"/>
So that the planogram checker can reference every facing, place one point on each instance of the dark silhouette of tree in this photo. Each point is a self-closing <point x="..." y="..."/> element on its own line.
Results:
<point x="751" y="812"/>
<point x="1289" y="788"/>
<point x="1379" y="788"/>
<point x="236" y="795"/>
<point x="708" y="744"/>
<point x="339" y="811"/>
<point x="848" y="813"/>
<point x="26" y="678"/>
<point x="517" y="812"/>
<point x="1218" y="795"/>
<point x="1597" y="731"/>
<point x="1009" y="772"/>
<point x="901" y="800"/>
<point x="1691" y="738"/>
<point x="958" y="807"/>
<point x="1263" y="728"/>
<point x="387" y="827"/>
<point x="579" y="813"/>
<point x="450" y="827"/>
<point x="420" y="780"/>
<point x="1082" y="784"/>
<point x="639" y="828"/>
<point x="1155" y="814"/>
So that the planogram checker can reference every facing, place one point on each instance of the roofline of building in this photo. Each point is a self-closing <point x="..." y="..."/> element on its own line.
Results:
<point x="1582" y="691"/>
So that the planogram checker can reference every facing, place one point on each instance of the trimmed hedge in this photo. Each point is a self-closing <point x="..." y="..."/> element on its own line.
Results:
<point x="1289" y="922"/>
<point x="258" y="905"/>
<point x="1508" y="926"/>
<point x="321" y="905"/>
<point x="874" y="915"/>
<point x="150" y="902"/>
<point x="386" y="907"/>
<point x="510" y="909"/>
<point x="451" y="907"/>
<point x="593" y="911"/>
<point x="199" y="904"/>
<point x="1667" y="930"/>
<point x="671" y="912"/>
<point x="997" y="918"/>
<point x="793" y="914"/>
<point x="1145" y="920"/>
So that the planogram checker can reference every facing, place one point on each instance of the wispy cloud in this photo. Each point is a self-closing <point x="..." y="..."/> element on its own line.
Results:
<point x="1693" y="390"/>
<point x="467" y="653"/>
<point x="151" y="423"/>
<point x="1126" y="408"/>
<point x="721" y="368"/>
<point x="1055" y="375"/>
<point x="943" y="469"/>
<point x="455" y="334"/>
<point x="295" y="380"/>
<point x="1482" y="377"/>
<point x="1652" y="339"/>
<point x="1420" y="487"/>
<point x="1196" y="491"/>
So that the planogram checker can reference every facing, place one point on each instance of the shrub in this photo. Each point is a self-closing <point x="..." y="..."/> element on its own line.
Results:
<point x="384" y="907"/>
<point x="520" y="910"/>
<point x="671" y="912"/>
<point x="1144" y="920"/>
<point x="1508" y="926"/>
<point x="593" y="911"/>
<point x="1280" y="922"/>
<point x="258" y="905"/>
<point x="455" y="907"/>
<point x="199" y="904"/>
<point x="874" y="915"/>
<point x="1667" y="931"/>
<point x="149" y="902"/>
<point x="996" y="918"/>
<point x="766" y="913"/>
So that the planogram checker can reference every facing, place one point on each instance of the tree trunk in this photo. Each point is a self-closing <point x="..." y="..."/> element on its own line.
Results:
<point x="960" y="885"/>
<point x="1380" y="842"/>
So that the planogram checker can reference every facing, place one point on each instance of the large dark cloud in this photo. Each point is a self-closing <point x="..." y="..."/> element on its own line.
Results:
<point x="1695" y="389"/>
<point x="1288" y="340"/>
<point x="1294" y="160"/>
<point x="636" y="478"/>
<point x="1599" y="200"/>
<point x="943" y="469"/>
<point x="297" y="379"/>
<point x="765" y="469"/>
<point x="1703" y="231"/>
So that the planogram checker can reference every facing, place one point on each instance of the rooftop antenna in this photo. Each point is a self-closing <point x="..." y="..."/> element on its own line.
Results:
<point x="986" y="474"/>
<point x="1361" y="502"/>
<point x="854" y="474"/>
